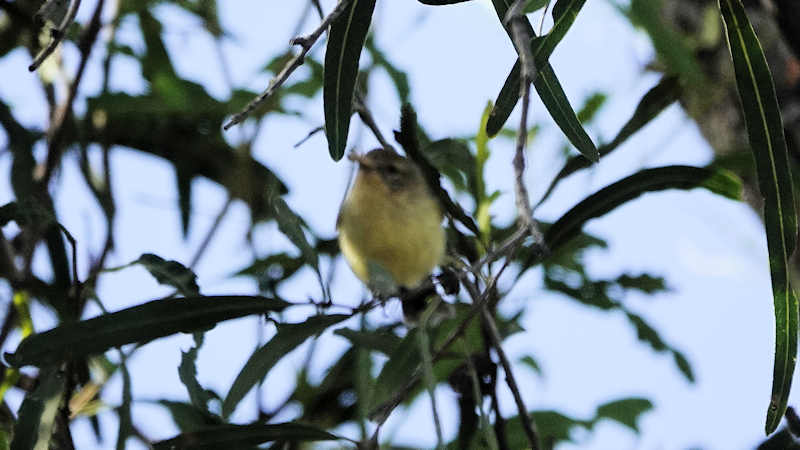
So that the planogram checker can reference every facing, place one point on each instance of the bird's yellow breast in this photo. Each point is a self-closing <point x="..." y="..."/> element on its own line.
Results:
<point x="399" y="230"/>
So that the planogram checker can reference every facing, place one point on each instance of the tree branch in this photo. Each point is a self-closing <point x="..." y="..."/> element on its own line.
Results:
<point x="57" y="34"/>
<point x="305" y="44"/>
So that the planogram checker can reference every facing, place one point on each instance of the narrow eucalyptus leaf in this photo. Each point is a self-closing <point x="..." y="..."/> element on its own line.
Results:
<point x="288" y="337"/>
<point x="765" y="131"/>
<point x="37" y="414"/>
<point x="141" y="323"/>
<point x="223" y="437"/>
<point x="345" y="41"/>
<point x="605" y="200"/>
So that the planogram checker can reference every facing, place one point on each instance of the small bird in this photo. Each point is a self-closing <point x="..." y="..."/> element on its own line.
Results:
<point x="390" y="222"/>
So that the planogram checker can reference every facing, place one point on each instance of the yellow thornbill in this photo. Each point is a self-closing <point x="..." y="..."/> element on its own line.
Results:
<point x="391" y="220"/>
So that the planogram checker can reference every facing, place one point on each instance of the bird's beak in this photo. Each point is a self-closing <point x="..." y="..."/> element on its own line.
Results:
<point x="358" y="158"/>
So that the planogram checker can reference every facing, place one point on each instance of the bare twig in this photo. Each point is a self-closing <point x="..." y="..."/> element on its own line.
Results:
<point x="308" y="136"/>
<point x="64" y="111"/>
<point x="57" y="35"/>
<point x="521" y="36"/>
<point x="211" y="232"/>
<point x="381" y="413"/>
<point x="305" y="44"/>
<point x="525" y="419"/>
<point x="544" y="14"/>
<point x="360" y="107"/>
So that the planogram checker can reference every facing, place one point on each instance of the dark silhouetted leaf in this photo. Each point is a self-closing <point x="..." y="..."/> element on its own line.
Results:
<point x="345" y="41"/>
<point x="188" y="417"/>
<point x="224" y="437"/>
<point x="38" y="411"/>
<point x="384" y="341"/>
<point x="656" y="100"/>
<point x="171" y="273"/>
<point x="288" y="337"/>
<point x="765" y="131"/>
<point x="140" y="323"/>
<point x="669" y="177"/>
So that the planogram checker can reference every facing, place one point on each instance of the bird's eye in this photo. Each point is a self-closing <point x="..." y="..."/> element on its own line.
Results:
<point x="392" y="169"/>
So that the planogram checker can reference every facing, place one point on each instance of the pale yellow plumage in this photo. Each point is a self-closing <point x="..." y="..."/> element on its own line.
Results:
<point x="390" y="218"/>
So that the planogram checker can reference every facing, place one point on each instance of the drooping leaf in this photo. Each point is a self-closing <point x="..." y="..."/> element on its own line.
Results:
<point x="291" y="225"/>
<point x="288" y="337"/>
<point x="765" y="132"/>
<point x="669" y="177"/>
<point x="188" y="417"/>
<point x="187" y="373"/>
<point x="384" y="341"/>
<point x="399" y="78"/>
<point x="591" y="106"/>
<point x="626" y="411"/>
<point x="37" y="414"/>
<point x="239" y="436"/>
<point x="546" y="83"/>
<point x="454" y="159"/>
<point x="171" y="273"/>
<point x="345" y="41"/>
<point x="656" y="100"/>
<point x="141" y="323"/>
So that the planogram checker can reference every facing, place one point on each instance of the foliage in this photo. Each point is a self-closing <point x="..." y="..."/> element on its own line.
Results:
<point x="178" y="120"/>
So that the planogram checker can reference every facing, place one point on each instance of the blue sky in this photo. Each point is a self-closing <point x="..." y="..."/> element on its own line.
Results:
<point x="712" y="251"/>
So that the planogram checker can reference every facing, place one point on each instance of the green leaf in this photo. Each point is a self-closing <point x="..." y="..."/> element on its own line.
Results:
<point x="532" y="364"/>
<point x="187" y="372"/>
<point x="546" y="82"/>
<point x="591" y="106"/>
<point x="670" y="45"/>
<point x="225" y="437"/>
<point x="626" y="411"/>
<point x="454" y="159"/>
<point x="37" y="414"/>
<point x="441" y="2"/>
<point x="171" y="273"/>
<point x="399" y="78"/>
<point x="188" y="417"/>
<point x="140" y="323"/>
<point x="605" y="200"/>
<point x="398" y="370"/>
<point x="383" y="341"/>
<point x="345" y="41"/>
<point x="767" y="141"/>
<point x="288" y="337"/>
<point x="291" y="225"/>
<point x="534" y="5"/>
<point x="656" y="100"/>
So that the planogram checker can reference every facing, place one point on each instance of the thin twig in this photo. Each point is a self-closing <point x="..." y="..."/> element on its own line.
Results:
<point x="57" y="35"/>
<point x="305" y="44"/>
<point x="381" y="413"/>
<point x="64" y="112"/>
<point x="360" y="107"/>
<point x="544" y="14"/>
<point x="525" y="419"/>
<point x="308" y="136"/>
<point x="521" y="36"/>
<point x="211" y="232"/>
